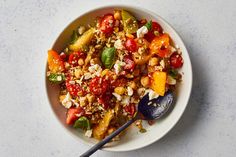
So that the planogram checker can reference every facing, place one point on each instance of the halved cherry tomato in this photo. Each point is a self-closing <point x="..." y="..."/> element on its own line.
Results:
<point x="130" y="65"/>
<point x="63" y="56"/>
<point x="159" y="45"/>
<point x="99" y="85"/>
<point x="55" y="63"/>
<point x="131" y="45"/>
<point x="74" y="57"/>
<point x="130" y="109"/>
<point x="73" y="88"/>
<point x="107" y="24"/>
<point x="176" y="60"/>
<point x="151" y="35"/>
<point x="73" y="114"/>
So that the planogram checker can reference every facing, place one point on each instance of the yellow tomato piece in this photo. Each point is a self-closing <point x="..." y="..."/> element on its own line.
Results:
<point x="55" y="64"/>
<point x="159" y="45"/>
<point x="100" y="130"/>
<point x="159" y="82"/>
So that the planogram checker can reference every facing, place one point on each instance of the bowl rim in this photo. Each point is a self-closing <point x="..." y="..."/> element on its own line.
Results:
<point x="175" y="121"/>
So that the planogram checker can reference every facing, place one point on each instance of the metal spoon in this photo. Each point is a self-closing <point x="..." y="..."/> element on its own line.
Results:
<point x="147" y="110"/>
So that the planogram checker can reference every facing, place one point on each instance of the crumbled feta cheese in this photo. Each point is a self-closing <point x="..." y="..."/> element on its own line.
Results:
<point x="118" y="44"/>
<point x="59" y="78"/>
<point x="118" y="97"/>
<point x="118" y="66"/>
<point x="172" y="49"/>
<point x="142" y="31"/>
<point x="125" y="100"/>
<point x="151" y="94"/>
<point x="88" y="133"/>
<point x="76" y="104"/>
<point x="67" y="101"/>
<point x="171" y="80"/>
<point x="87" y="76"/>
<point x="95" y="70"/>
<point x="162" y="63"/>
<point x="130" y="91"/>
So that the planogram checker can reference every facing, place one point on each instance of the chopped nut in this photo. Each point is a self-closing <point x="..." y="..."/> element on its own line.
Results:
<point x="78" y="73"/>
<point x="90" y="98"/>
<point x="133" y="85"/>
<point x="145" y="81"/>
<point x="153" y="61"/>
<point x="117" y="15"/>
<point x="81" y="62"/>
<point x="119" y="90"/>
<point x="83" y="101"/>
<point x="129" y="35"/>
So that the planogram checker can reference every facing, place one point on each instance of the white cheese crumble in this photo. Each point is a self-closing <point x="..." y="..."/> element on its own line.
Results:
<point x="87" y="76"/>
<point x="88" y="133"/>
<point x="59" y="78"/>
<point x="142" y="31"/>
<point x="118" y="66"/>
<point x="95" y="70"/>
<point x="162" y="63"/>
<point x="67" y="101"/>
<point x="151" y="94"/>
<point x="118" y="97"/>
<point x="130" y="91"/>
<point x="171" y="80"/>
<point x="118" y="44"/>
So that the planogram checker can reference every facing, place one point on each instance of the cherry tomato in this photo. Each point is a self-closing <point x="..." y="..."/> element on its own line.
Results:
<point x="74" y="57"/>
<point x="131" y="45"/>
<point x="130" y="64"/>
<point x="73" y="88"/>
<point x="73" y="114"/>
<point x="63" y="56"/>
<point x="107" y="24"/>
<point x="55" y="63"/>
<point x="155" y="27"/>
<point x="105" y="99"/>
<point x="98" y="85"/>
<point x="159" y="45"/>
<point x="130" y="109"/>
<point x="176" y="60"/>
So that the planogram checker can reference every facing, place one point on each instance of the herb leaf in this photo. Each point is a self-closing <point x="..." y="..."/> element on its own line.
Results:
<point x="74" y="37"/>
<point x="82" y="123"/>
<point x="56" y="78"/>
<point x="173" y="73"/>
<point x="149" y="25"/>
<point x="108" y="57"/>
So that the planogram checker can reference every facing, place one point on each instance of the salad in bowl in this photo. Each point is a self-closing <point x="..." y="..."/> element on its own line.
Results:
<point x="108" y="66"/>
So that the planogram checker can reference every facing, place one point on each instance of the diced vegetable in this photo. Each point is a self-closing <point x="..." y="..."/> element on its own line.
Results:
<point x="100" y="130"/>
<point x="56" y="78"/>
<point x="83" y="40"/>
<point x="107" y="24"/>
<point x="149" y="25"/>
<point x="55" y="64"/>
<point x="159" y="45"/>
<point x="73" y="114"/>
<point x="130" y="22"/>
<point x="159" y="82"/>
<point x="82" y="123"/>
<point x="176" y="60"/>
<point x="108" y="57"/>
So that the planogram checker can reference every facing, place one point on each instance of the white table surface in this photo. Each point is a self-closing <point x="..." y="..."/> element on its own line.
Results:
<point x="28" y="127"/>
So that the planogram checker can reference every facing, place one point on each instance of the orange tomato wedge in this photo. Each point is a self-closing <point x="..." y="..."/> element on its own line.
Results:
<point x="160" y="44"/>
<point x="55" y="63"/>
<point x="159" y="82"/>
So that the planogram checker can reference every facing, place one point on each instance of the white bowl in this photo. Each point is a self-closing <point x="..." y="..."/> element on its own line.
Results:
<point x="132" y="139"/>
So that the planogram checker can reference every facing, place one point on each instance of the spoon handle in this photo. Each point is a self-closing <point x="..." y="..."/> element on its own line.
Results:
<point x="107" y="139"/>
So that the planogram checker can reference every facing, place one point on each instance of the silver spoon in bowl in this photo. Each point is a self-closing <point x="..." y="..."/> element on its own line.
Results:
<point x="147" y="110"/>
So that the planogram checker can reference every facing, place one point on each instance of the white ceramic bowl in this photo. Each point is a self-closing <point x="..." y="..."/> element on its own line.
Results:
<point x="132" y="139"/>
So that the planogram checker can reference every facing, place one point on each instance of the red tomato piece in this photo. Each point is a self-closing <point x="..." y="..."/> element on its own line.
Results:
<point x="74" y="57"/>
<point x="63" y="56"/>
<point x="130" y="64"/>
<point x="131" y="45"/>
<point x="73" y="114"/>
<point x="105" y="99"/>
<point x="73" y="88"/>
<point x="155" y="27"/>
<point x="130" y="109"/>
<point x="120" y="82"/>
<point x="55" y="63"/>
<point x="176" y="60"/>
<point x="107" y="24"/>
<point x="98" y="85"/>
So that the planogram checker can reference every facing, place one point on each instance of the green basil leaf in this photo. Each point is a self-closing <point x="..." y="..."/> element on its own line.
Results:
<point x="108" y="57"/>
<point x="173" y="73"/>
<point x="56" y="78"/>
<point x="149" y="25"/>
<point x="82" y="123"/>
